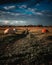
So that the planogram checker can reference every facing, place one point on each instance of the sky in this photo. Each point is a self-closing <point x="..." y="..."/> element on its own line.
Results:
<point x="25" y="12"/>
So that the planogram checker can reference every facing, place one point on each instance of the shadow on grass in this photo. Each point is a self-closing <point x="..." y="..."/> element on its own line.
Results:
<point x="49" y="37"/>
<point x="11" y="38"/>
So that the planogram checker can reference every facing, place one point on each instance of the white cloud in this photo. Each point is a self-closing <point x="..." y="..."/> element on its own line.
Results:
<point x="8" y="7"/>
<point x="10" y="13"/>
<point x="39" y="13"/>
<point x="30" y="9"/>
<point x="21" y="22"/>
<point x="47" y="12"/>
<point x="23" y="6"/>
<point x="34" y="11"/>
<point x="5" y="22"/>
<point x="15" y="22"/>
<point x="17" y="14"/>
<point x="3" y="12"/>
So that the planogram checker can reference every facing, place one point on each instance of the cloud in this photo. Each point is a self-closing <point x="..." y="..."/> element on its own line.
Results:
<point x="23" y="6"/>
<point x="39" y="13"/>
<point x="20" y="22"/>
<point x="49" y="15"/>
<point x="47" y="12"/>
<point x="37" y="4"/>
<point x="15" y="14"/>
<point x="6" y="22"/>
<point x="9" y="13"/>
<point x="8" y="7"/>
<point x="32" y="10"/>
<point x="33" y="3"/>
<point x="35" y="11"/>
<point x="17" y="22"/>
<point x="12" y="22"/>
<point x="26" y="11"/>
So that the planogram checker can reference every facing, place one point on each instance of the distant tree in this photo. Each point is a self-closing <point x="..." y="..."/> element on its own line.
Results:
<point x="39" y="25"/>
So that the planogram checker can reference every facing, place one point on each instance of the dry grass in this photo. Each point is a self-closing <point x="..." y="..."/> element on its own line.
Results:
<point x="34" y="48"/>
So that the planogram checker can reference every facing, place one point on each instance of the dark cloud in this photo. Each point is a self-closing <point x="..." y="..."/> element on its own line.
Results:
<point x="11" y="1"/>
<point x="50" y="1"/>
<point x="30" y="3"/>
<point x="34" y="2"/>
<point x="20" y="1"/>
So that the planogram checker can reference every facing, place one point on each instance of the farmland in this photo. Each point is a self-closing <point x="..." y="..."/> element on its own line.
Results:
<point x="32" y="48"/>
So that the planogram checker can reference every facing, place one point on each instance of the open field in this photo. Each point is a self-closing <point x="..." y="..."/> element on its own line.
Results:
<point x="32" y="48"/>
<point x="31" y="29"/>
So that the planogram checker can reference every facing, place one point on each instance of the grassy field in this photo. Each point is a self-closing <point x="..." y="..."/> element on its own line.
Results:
<point x="34" y="48"/>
